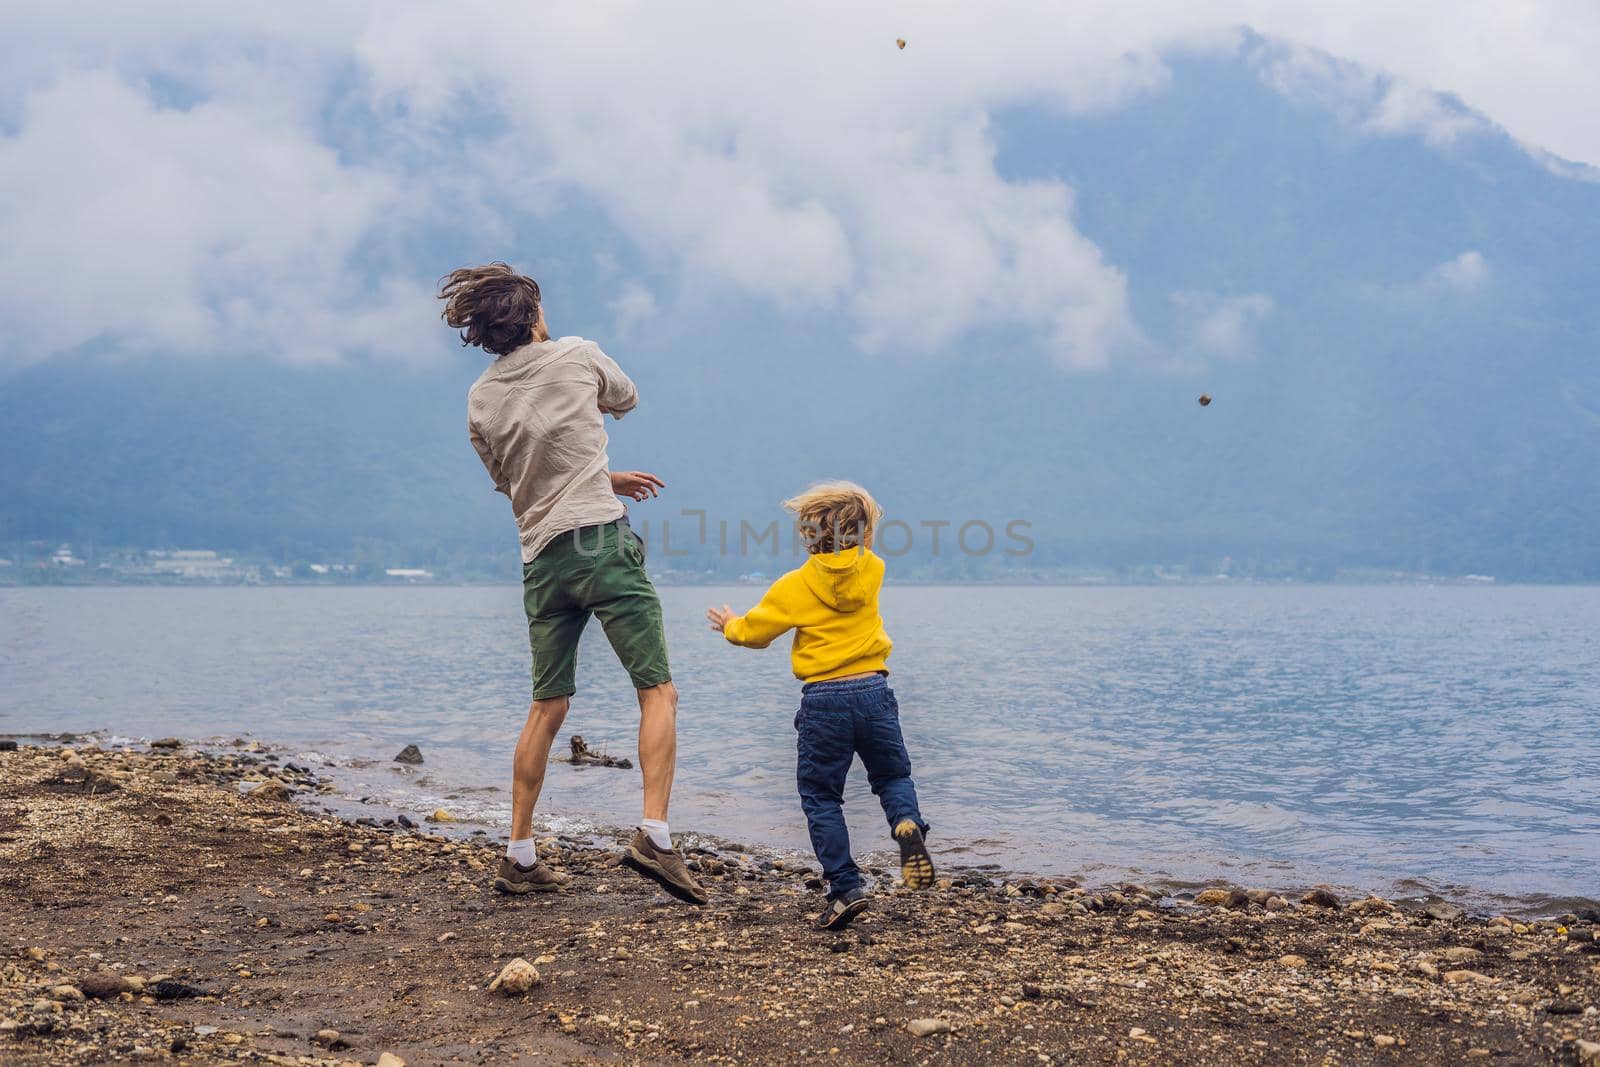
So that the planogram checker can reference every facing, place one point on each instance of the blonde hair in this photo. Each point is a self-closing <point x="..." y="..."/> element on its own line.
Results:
<point x="835" y="515"/>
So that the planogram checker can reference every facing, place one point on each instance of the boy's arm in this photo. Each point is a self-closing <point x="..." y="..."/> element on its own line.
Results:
<point x="762" y="624"/>
<point x="618" y="395"/>
<point x="502" y="484"/>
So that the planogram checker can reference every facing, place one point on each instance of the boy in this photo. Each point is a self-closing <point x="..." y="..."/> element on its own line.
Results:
<point x="537" y="420"/>
<point x="846" y="706"/>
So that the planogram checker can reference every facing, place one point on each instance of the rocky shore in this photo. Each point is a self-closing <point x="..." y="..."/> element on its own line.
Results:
<point x="171" y="904"/>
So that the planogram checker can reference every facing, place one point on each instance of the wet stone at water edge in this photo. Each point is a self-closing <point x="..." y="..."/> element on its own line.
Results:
<point x="410" y="754"/>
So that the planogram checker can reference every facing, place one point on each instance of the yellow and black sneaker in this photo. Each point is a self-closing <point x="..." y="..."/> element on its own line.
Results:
<point x="916" y="866"/>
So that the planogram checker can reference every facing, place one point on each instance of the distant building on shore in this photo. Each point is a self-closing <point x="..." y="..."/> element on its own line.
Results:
<point x="410" y="574"/>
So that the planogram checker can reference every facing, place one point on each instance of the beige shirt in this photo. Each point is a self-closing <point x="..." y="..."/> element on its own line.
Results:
<point x="537" y="419"/>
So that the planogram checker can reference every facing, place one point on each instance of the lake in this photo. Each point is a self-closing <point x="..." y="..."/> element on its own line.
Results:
<point x="1396" y="739"/>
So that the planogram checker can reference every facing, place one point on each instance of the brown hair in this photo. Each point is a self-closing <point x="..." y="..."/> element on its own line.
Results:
<point x="494" y="307"/>
<point x="835" y="515"/>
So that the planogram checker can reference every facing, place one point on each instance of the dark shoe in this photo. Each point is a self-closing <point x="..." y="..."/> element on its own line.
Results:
<point x="513" y="877"/>
<point x="916" y="866"/>
<point x="664" y="867"/>
<point x="841" y="910"/>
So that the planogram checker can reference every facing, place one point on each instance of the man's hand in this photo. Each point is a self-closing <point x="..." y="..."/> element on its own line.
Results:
<point x="720" y="617"/>
<point x="636" y="484"/>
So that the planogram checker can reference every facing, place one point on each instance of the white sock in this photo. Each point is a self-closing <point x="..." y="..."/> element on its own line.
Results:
<point x="523" y="852"/>
<point x="657" y="829"/>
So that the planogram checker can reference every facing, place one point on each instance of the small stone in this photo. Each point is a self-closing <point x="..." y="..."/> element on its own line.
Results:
<point x="1442" y="911"/>
<point x="66" y="992"/>
<point x="410" y="754"/>
<point x="271" y="789"/>
<point x="389" y="1059"/>
<point x="1383" y="1040"/>
<point x="441" y="815"/>
<point x="1009" y="1002"/>
<point x="7" y="745"/>
<point x="1564" y="1007"/>
<point x="1463" y="977"/>
<point x="1321" y="897"/>
<point x="927" y="1027"/>
<point x="171" y="989"/>
<point x="1457" y="954"/>
<point x="1588" y="1052"/>
<point x="1032" y="991"/>
<point x="518" y="977"/>
<point x="1212" y="898"/>
<point x="329" y="1039"/>
<point x="103" y="985"/>
<point x="167" y="742"/>
<point x="1292" y="960"/>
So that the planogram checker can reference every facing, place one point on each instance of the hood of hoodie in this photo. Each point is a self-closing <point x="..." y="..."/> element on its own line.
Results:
<point x="844" y="580"/>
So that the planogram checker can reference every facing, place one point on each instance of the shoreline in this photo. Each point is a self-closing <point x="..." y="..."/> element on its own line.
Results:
<point x="156" y="910"/>
<point x="347" y="788"/>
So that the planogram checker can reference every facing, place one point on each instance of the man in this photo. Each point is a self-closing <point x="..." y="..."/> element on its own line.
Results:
<point x="536" y="417"/>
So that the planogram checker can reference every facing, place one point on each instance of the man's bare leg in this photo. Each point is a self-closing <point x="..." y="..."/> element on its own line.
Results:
<point x="658" y="756"/>
<point x="658" y="746"/>
<point x="533" y="754"/>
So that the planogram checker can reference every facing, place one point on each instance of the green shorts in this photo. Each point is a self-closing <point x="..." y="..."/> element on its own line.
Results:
<point x="593" y="570"/>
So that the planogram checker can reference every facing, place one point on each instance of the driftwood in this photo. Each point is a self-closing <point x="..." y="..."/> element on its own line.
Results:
<point x="583" y="755"/>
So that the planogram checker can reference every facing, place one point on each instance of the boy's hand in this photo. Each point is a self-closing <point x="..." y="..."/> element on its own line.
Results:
<point x="720" y="617"/>
<point x="636" y="484"/>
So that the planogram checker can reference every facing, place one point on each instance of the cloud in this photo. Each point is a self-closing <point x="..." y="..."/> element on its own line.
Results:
<point x="221" y="228"/>
<point x="1363" y="98"/>
<point x="1220" y="327"/>
<point x="217" y="179"/>
<point x="1464" y="274"/>
<point x="631" y="307"/>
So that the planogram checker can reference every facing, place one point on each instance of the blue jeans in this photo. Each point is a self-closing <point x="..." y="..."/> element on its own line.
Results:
<point x="838" y="721"/>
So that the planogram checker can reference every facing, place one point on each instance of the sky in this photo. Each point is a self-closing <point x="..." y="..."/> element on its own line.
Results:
<point x="228" y="181"/>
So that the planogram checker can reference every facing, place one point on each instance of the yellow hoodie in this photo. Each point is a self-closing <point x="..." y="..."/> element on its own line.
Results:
<point x="831" y="603"/>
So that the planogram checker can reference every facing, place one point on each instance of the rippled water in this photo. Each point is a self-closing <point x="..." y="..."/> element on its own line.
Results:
<point x="1393" y="739"/>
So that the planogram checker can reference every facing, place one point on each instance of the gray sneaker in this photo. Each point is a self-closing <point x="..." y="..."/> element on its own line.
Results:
<point x="664" y="867"/>
<point x="514" y="878"/>
<point x="840" y="911"/>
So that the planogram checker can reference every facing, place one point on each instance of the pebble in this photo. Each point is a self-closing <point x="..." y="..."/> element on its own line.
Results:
<point x="1457" y="954"/>
<point x="1384" y="1040"/>
<point x="927" y="1027"/>
<point x="1211" y="898"/>
<point x="271" y="789"/>
<point x="1462" y="977"/>
<point x="329" y="1039"/>
<point x="518" y="977"/>
<point x="1321" y="897"/>
<point x="1443" y="911"/>
<point x="102" y="985"/>
<point x="441" y="815"/>
<point x="1292" y="960"/>
<point x="389" y="1059"/>
<point x="66" y="992"/>
<point x="1588" y="1053"/>
<point x="167" y="742"/>
<point x="171" y="989"/>
<point x="410" y="754"/>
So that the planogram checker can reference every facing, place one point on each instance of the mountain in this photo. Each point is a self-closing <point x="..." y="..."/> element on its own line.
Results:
<point x="1402" y="340"/>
